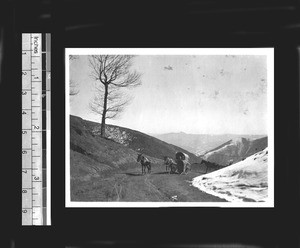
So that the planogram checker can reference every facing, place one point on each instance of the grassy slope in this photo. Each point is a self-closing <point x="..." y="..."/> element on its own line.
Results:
<point x="91" y="154"/>
<point x="105" y="170"/>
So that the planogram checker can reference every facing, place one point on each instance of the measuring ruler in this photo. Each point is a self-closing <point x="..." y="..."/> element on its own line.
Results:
<point x="36" y="78"/>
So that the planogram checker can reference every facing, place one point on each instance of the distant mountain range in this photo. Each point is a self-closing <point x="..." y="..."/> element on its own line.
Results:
<point x="200" y="144"/>
<point x="235" y="150"/>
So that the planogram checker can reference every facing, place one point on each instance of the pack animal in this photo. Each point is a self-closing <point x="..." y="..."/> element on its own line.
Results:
<point x="210" y="165"/>
<point x="145" y="162"/>
<point x="171" y="165"/>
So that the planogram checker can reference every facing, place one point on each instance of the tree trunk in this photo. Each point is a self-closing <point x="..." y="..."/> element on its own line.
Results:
<point x="104" y="111"/>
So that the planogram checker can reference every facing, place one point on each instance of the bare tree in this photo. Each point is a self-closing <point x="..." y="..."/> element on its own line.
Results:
<point x="72" y="84"/>
<point x="73" y="88"/>
<point x="112" y="73"/>
<point x="72" y="57"/>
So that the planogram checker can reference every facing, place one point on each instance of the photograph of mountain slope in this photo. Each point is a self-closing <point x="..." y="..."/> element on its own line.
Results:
<point x="169" y="127"/>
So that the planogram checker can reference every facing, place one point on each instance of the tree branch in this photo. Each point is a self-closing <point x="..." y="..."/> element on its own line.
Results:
<point x="113" y="72"/>
<point x="73" y="88"/>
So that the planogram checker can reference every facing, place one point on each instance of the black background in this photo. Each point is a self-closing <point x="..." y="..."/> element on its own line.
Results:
<point x="198" y="23"/>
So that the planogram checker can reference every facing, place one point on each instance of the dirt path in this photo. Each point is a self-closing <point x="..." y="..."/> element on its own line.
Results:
<point x="118" y="186"/>
<point x="129" y="185"/>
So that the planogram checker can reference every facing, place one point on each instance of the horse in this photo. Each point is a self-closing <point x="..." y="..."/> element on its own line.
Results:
<point x="170" y="164"/>
<point x="210" y="165"/>
<point x="144" y="162"/>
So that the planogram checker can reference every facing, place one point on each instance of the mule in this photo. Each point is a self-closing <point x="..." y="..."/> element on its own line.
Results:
<point x="144" y="162"/>
<point x="210" y="165"/>
<point x="170" y="164"/>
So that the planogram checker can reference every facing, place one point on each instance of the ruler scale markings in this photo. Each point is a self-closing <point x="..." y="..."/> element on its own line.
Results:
<point x="31" y="131"/>
<point x="47" y="189"/>
<point x="35" y="136"/>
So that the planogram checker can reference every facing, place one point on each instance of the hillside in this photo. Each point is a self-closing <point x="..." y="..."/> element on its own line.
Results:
<point x="90" y="153"/>
<point x="199" y="143"/>
<point x="235" y="150"/>
<point x="106" y="170"/>
<point x="244" y="181"/>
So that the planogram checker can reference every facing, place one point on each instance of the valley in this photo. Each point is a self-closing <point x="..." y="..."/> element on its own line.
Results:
<point x="106" y="169"/>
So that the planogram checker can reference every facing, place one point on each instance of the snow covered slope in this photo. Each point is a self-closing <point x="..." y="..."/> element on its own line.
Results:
<point x="235" y="150"/>
<point x="245" y="181"/>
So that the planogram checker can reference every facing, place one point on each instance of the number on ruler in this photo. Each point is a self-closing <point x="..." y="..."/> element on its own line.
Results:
<point x="24" y="113"/>
<point x="36" y="127"/>
<point x="24" y="152"/>
<point x="24" y="171"/>
<point x="24" y="132"/>
<point x="24" y="73"/>
<point x="24" y="93"/>
<point x="24" y="211"/>
<point x="24" y="191"/>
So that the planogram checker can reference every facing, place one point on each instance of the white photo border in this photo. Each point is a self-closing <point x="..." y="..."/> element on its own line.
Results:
<point x="269" y="52"/>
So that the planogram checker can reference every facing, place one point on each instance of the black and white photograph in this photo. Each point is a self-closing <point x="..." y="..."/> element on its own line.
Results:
<point x="156" y="124"/>
<point x="169" y="127"/>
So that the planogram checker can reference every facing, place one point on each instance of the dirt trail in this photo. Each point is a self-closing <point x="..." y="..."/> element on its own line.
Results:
<point x="129" y="185"/>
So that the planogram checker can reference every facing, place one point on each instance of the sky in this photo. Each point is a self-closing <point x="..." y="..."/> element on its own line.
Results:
<point x="196" y="94"/>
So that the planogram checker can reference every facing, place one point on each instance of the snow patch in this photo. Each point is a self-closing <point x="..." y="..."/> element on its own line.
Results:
<point x="244" y="181"/>
<point x="115" y="134"/>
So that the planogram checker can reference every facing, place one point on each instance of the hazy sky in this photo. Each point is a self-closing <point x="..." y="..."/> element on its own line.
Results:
<point x="199" y="94"/>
